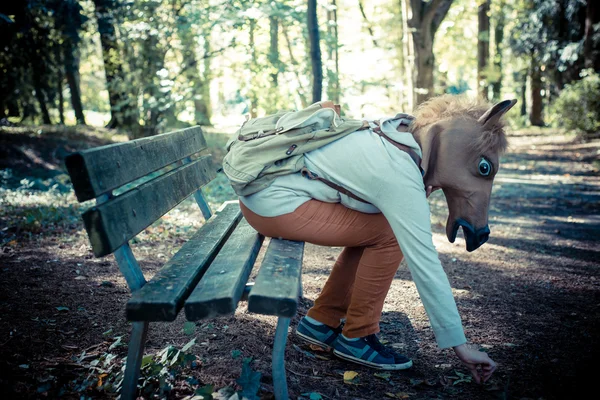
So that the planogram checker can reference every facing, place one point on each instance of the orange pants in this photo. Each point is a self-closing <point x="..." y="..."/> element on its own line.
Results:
<point x="363" y="273"/>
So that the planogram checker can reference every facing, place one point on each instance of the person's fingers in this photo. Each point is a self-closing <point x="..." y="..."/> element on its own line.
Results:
<point x="474" y="372"/>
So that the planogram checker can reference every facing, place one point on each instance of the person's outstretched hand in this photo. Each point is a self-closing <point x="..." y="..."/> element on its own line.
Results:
<point x="479" y="363"/>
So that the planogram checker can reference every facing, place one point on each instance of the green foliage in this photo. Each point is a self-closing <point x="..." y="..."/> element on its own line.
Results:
<point x="249" y="380"/>
<point x="578" y="105"/>
<point x="189" y="328"/>
<point x="158" y="373"/>
<point x="551" y="32"/>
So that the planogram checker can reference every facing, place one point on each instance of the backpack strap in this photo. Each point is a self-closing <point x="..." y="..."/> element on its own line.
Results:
<point x="312" y="176"/>
<point x="411" y="153"/>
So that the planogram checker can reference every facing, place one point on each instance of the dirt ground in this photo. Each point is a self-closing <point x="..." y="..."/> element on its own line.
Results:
<point x="529" y="297"/>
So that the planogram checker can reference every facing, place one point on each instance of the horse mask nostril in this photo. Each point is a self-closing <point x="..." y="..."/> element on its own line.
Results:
<point x="483" y="234"/>
<point x="473" y="238"/>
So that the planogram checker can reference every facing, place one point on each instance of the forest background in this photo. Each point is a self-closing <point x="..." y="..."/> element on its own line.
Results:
<point x="80" y="74"/>
<point x="148" y="66"/>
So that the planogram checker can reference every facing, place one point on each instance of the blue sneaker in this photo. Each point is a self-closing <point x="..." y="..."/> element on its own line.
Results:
<point x="321" y="335"/>
<point x="370" y="352"/>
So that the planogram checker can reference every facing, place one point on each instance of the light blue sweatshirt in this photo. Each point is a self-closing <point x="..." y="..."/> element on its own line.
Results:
<point x="373" y="169"/>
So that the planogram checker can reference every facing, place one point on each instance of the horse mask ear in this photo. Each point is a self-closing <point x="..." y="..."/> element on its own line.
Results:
<point x="493" y="115"/>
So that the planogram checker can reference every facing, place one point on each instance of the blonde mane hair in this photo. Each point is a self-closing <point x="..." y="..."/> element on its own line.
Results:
<point x="460" y="106"/>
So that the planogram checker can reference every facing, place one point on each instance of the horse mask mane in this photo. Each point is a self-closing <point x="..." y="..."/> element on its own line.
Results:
<point x="461" y="140"/>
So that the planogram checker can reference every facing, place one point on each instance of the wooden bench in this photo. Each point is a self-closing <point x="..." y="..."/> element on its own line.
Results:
<point x="137" y="182"/>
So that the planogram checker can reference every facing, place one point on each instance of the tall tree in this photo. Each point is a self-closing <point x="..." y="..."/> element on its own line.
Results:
<point x="200" y="86"/>
<point x="591" y="44"/>
<point x="368" y="24"/>
<point x="537" y="106"/>
<point x="122" y="108"/>
<point x="301" y="90"/>
<point x="407" y="58"/>
<point x="315" y="50"/>
<point x="499" y="22"/>
<point x="254" y="71"/>
<point x="483" y="47"/>
<point x="69" y="21"/>
<point x="333" y="70"/>
<point x="274" y="49"/>
<point x="424" y="23"/>
<point x="549" y="36"/>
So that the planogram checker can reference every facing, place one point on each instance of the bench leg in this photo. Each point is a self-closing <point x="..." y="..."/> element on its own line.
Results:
<point x="135" y="354"/>
<point x="279" y="379"/>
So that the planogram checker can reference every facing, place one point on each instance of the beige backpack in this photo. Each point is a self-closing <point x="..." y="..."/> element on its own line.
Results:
<point x="264" y="148"/>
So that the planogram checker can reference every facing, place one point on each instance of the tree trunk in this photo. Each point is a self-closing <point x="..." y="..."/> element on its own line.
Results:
<point x="315" y="50"/>
<point x="41" y="98"/>
<point x="498" y="39"/>
<point x="523" y="92"/>
<point x="153" y="54"/>
<point x="203" y="107"/>
<point x="192" y="73"/>
<point x="536" y="94"/>
<point x="591" y="55"/>
<point x="253" y="71"/>
<point x="408" y="57"/>
<point x="483" y="47"/>
<point x="367" y="23"/>
<point x="71" y="71"/>
<point x="59" y="86"/>
<point x="424" y="62"/>
<point x="61" y="100"/>
<point x="122" y="114"/>
<point x="274" y="49"/>
<point x="301" y="90"/>
<point x="426" y="19"/>
<point x="333" y="85"/>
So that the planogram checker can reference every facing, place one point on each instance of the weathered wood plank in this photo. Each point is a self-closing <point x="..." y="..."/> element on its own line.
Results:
<point x="111" y="224"/>
<point x="162" y="297"/>
<point x="102" y="169"/>
<point x="221" y="288"/>
<point x="277" y="286"/>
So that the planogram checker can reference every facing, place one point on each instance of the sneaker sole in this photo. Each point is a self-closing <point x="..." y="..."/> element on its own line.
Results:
<point x="313" y="341"/>
<point x="390" y="367"/>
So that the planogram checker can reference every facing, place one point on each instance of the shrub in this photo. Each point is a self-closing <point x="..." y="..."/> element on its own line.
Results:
<point x="578" y="106"/>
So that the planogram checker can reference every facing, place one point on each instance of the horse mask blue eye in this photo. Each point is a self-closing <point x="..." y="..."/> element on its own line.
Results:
<point x="485" y="168"/>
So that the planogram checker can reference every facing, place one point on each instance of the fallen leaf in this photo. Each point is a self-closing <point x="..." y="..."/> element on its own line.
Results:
<point x="313" y="395"/>
<point x="349" y="376"/>
<point x="100" y="377"/>
<point x="383" y="375"/>
<point x="316" y="347"/>
<point x="188" y="345"/>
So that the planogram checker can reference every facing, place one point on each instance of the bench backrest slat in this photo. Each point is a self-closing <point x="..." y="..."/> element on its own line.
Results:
<point x="113" y="223"/>
<point x="99" y="170"/>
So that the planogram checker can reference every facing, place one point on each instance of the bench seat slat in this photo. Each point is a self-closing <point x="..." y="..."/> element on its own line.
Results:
<point x="163" y="296"/>
<point x="113" y="223"/>
<point x="278" y="284"/>
<point x="99" y="170"/>
<point x="221" y="288"/>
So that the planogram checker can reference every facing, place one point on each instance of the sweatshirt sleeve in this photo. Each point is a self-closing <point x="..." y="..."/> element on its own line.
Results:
<point x="401" y="198"/>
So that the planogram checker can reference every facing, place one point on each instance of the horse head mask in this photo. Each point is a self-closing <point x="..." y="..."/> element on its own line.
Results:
<point x="462" y="140"/>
